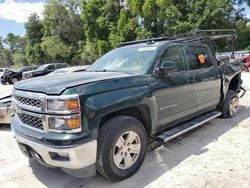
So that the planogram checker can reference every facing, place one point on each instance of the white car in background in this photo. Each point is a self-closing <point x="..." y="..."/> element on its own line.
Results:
<point x="6" y="108"/>
<point x="69" y="70"/>
<point x="2" y="70"/>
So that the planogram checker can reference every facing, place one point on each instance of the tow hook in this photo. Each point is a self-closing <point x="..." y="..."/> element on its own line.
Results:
<point x="242" y="91"/>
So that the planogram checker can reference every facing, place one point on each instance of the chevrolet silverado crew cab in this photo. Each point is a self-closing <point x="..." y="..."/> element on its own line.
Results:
<point x="102" y="119"/>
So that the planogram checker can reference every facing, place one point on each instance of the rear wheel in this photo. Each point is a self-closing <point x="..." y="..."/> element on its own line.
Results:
<point x="121" y="147"/>
<point x="231" y="104"/>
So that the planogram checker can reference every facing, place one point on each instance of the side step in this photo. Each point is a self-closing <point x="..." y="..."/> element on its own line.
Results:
<point x="177" y="131"/>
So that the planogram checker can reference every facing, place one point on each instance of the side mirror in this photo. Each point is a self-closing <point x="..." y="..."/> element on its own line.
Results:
<point x="165" y="68"/>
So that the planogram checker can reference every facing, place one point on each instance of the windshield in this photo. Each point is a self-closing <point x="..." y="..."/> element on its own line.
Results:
<point x="42" y="67"/>
<point x="129" y="60"/>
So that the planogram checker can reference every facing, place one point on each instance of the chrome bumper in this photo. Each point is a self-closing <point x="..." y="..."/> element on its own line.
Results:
<point x="78" y="156"/>
<point x="5" y="114"/>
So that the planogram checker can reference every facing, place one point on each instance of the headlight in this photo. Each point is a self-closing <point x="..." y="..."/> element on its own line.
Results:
<point x="67" y="105"/>
<point x="72" y="123"/>
<point x="28" y="75"/>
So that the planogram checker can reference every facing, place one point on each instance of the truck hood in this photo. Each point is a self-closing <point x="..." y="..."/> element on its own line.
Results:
<point x="56" y="84"/>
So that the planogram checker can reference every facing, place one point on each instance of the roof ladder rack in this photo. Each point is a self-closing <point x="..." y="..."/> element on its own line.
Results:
<point x="148" y="41"/>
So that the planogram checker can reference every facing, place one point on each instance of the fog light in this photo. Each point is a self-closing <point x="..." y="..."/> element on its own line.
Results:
<point x="62" y="156"/>
<point x="66" y="155"/>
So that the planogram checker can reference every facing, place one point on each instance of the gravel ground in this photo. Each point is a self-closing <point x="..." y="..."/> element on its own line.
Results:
<point x="214" y="155"/>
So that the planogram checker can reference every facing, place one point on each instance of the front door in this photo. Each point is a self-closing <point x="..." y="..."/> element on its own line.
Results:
<point x="175" y="93"/>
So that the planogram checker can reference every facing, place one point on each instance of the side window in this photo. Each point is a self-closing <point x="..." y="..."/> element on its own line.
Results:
<point x="200" y="57"/>
<point x="59" y="66"/>
<point x="51" y="67"/>
<point x="175" y="54"/>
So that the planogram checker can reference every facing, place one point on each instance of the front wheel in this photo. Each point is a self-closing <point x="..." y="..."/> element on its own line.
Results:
<point x="231" y="104"/>
<point x="122" y="147"/>
<point x="13" y="80"/>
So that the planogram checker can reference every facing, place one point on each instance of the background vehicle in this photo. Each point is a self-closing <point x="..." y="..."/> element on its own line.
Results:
<point x="3" y="70"/>
<point x="244" y="56"/>
<point x="44" y="70"/>
<point x="14" y="76"/>
<point x="69" y="70"/>
<point x="5" y="104"/>
<point x="102" y="118"/>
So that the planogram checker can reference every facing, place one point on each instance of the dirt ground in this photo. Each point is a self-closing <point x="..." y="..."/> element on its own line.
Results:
<point x="214" y="155"/>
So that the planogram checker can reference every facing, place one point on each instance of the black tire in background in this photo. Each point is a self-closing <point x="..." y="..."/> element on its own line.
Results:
<point x="111" y="134"/>
<point x="231" y="104"/>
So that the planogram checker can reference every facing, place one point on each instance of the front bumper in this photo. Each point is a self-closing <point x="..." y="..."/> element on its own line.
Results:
<point x="68" y="157"/>
<point x="79" y="156"/>
<point x="5" y="114"/>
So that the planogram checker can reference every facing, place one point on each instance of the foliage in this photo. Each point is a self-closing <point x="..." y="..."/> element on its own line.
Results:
<point x="19" y="59"/>
<point x="80" y="31"/>
<point x="34" y="33"/>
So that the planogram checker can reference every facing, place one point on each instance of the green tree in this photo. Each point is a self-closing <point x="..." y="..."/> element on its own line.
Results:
<point x="63" y="24"/>
<point x="34" y="34"/>
<point x="34" y="29"/>
<point x="14" y="43"/>
<point x="19" y="59"/>
<point x="34" y="54"/>
<point x="243" y="40"/>
<point x="55" y="48"/>
<point x="80" y="31"/>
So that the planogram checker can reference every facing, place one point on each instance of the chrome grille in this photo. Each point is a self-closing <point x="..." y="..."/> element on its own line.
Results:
<point x="29" y="120"/>
<point x="29" y="102"/>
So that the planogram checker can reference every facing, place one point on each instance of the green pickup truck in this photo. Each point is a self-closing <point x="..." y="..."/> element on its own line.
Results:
<point x="103" y="119"/>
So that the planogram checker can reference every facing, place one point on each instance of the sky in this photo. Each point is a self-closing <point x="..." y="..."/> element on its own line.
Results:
<point x="14" y="13"/>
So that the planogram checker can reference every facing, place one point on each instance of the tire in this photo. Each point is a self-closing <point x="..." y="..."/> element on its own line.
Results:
<point x="13" y="80"/>
<point x="231" y="105"/>
<point x="117" y="132"/>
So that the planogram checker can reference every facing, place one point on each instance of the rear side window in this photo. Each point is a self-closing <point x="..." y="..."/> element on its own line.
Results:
<point x="200" y="57"/>
<point x="59" y="66"/>
<point x="175" y="54"/>
<point x="51" y="67"/>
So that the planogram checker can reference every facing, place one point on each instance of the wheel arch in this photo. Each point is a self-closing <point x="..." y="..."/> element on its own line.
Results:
<point x="235" y="83"/>
<point x="141" y="112"/>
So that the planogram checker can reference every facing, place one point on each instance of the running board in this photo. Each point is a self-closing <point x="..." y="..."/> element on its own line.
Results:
<point x="186" y="127"/>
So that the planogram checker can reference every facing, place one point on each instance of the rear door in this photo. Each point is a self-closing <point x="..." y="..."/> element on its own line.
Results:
<point x="204" y="66"/>
<point x="175" y="95"/>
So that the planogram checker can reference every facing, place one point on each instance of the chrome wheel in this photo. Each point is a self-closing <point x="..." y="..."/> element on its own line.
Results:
<point x="127" y="150"/>
<point x="233" y="107"/>
<point x="14" y="80"/>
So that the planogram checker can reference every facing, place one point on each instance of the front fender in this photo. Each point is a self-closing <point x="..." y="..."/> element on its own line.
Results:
<point x="96" y="106"/>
